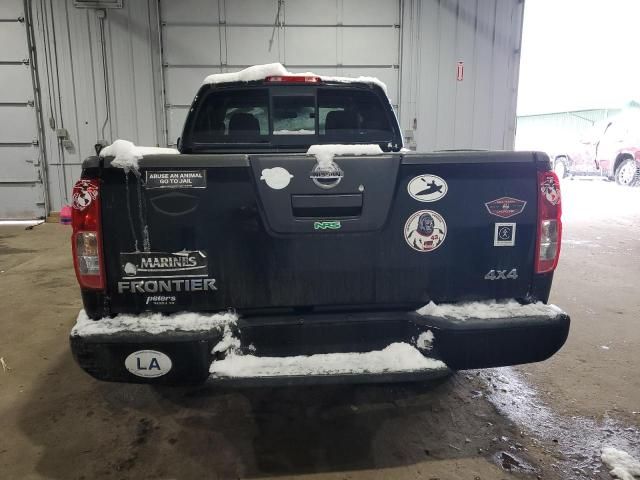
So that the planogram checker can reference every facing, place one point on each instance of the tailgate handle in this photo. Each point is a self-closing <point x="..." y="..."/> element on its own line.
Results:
<point x="326" y="206"/>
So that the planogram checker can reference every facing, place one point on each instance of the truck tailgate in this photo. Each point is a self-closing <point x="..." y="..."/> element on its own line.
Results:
<point x="268" y="233"/>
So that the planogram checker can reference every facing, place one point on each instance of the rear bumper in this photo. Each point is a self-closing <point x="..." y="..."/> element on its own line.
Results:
<point x="461" y="344"/>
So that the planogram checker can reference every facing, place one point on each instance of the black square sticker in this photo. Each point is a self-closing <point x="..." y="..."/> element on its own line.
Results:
<point x="504" y="235"/>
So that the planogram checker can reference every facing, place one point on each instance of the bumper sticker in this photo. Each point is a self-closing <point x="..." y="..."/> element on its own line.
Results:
<point x="425" y="230"/>
<point x="505" y="207"/>
<point x="175" y="179"/>
<point x="427" y="188"/>
<point x="148" y="363"/>
<point x="504" y="235"/>
<point x="161" y="264"/>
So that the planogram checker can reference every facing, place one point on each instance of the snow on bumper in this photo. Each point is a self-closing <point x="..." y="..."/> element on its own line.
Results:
<point x="318" y="348"/>
<point x="397" y="358"/>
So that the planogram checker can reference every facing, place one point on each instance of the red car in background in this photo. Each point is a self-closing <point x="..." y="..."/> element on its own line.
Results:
<point x="610" y="149"/>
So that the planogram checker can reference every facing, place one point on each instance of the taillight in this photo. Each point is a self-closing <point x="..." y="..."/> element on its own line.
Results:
<point x="86" y="240"/>
<point x="549" y="222"/>
<point x="292" y="79"/>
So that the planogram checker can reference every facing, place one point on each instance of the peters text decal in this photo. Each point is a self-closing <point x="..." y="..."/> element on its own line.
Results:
<point x="176" y="179"/>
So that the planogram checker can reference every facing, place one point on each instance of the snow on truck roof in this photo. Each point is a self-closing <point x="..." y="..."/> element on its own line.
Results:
<point x="261" y="72"/>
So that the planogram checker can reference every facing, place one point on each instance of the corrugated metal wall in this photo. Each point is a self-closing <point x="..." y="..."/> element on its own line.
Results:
<point x="21" y="160"/>
<point x="97" y="73"/>
<point x="478" y="111"/>
<point x="336" y="37"/>
<point x="103" y="78"/>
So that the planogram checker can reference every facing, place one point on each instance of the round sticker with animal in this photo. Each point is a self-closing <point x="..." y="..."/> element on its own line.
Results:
<point x="427" y="188"/>
<point x="425" y="230"/>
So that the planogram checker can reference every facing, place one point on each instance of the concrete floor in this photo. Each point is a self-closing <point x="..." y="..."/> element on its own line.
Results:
<point x="546" y="420"/>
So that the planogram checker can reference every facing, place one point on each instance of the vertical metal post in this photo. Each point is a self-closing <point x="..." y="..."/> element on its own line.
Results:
<point x="35" y="81"/>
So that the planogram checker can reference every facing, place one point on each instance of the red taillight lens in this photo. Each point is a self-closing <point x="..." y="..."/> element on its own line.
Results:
<point x="292" y="79"/>
<point x="86" y="240"/>
<point x="549" y="222"/>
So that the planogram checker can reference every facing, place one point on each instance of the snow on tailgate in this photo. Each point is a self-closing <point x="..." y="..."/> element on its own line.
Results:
<point x="260" y="72"/>
<point x="489" y="309"/>
<point x="325" y="153"/>
<point x="397" y="357"/>
<point x="154" y="323"/>
<point x="126" y="154"/>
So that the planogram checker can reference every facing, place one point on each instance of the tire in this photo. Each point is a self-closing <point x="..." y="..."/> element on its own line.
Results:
<point x="560" y="168"/>
<point x="627" y="174"/>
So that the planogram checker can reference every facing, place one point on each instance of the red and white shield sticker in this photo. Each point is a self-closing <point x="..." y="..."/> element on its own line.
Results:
<point x="84" y="193"/>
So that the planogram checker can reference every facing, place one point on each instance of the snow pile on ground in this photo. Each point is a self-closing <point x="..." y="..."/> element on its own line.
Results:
<point x="397" y="357"/>
<point x="126" y="154"/>
<point x="489" y="309"/>
<point x="20" y="223"/>
<point x="153" y="323"/>
<point x="622" y="465"/>
<point x="325" y="153"/>
<point x="260" y="72"/>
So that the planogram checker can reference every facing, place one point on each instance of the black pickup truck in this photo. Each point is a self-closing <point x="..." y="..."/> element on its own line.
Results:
<point x="292" y="239"/>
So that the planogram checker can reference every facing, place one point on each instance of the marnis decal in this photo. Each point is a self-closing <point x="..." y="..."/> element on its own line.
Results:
<point x="276" y="177"/>
<point x="551" y="190"/>
<point x="176" y="179"/>
<point x="161" y="264"/>
<point x="425" y="230"/>
<point x="504" y="235"/>
<point x="427" y="188"/>
<point x="84" y="192"/>
<point x="148" y="363"/>
<point x="501" y="275"/>
<point x="505" y="207"/>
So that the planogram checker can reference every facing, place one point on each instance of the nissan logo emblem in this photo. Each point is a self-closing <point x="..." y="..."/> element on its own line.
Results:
<point x="326" y="176"/>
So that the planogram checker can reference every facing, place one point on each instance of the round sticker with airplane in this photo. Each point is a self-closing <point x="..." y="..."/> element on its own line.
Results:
<point x="425" y="230"/>
<point x="427" y="188"/>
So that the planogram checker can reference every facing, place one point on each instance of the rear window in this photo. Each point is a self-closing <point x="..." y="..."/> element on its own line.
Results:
<point x="281" y="116"/>
<point x="240" y="116"/>
<point x="294" y="115"/>
<point x="343" y="113"/>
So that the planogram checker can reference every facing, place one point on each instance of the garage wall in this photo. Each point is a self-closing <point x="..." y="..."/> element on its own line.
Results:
<point x="478" y="111"/>
<point x="96" y="68"/>
<point x="331" y="37"/>
<point x="131" y="72"/>
<point x="21" y="163"/>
